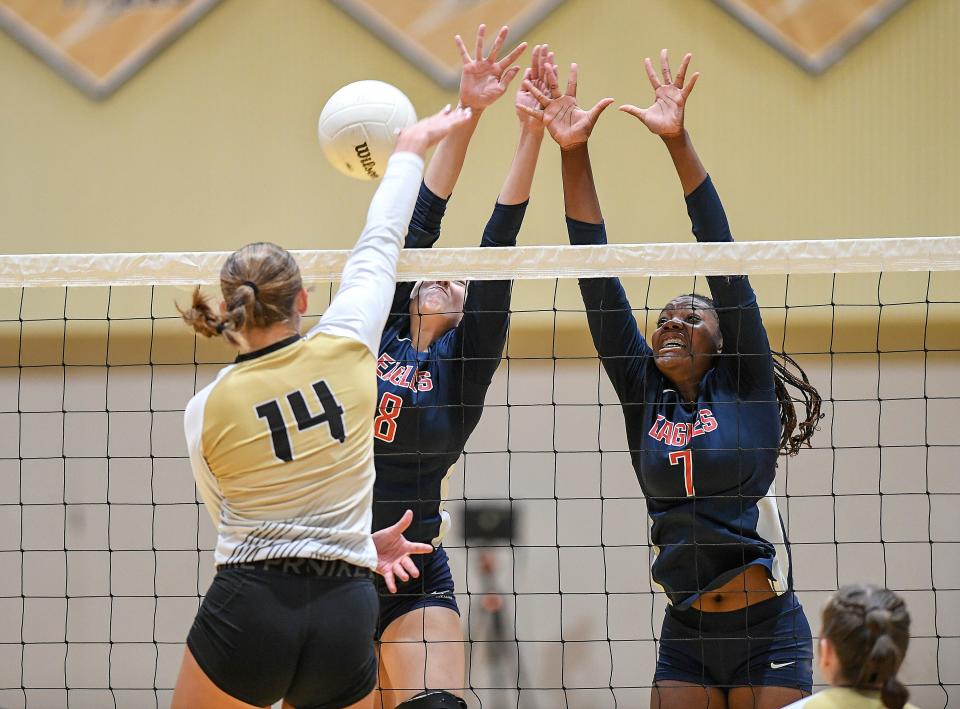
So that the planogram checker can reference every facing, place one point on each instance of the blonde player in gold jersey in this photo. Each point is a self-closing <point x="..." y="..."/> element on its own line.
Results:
<point x="281" y="446"/>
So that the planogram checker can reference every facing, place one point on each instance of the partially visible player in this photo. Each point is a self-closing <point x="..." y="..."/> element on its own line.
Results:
<point x="439" y="351"/>
<point x="866" y="630"/>
<point x="281" y="448"/>
<point x="706" y="413"/>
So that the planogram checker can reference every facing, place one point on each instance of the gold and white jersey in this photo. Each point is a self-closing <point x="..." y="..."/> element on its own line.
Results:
<point x="281" y="442"/>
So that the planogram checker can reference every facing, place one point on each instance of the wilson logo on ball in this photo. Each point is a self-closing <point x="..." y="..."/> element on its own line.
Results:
<point x="363" y="152"/>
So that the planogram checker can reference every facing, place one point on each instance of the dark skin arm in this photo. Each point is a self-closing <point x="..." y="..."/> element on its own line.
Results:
<point x="665" y="118"/>
<point x="579" y="190"/>
<point x="570" y="126"/>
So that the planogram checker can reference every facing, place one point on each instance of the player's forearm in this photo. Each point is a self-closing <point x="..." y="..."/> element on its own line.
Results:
<point x="686" y="161"/>
<point x="516" y="186"/>
<point x="360" y="308"/>
<point x="388" y="217"/>
<point x="425" y="222"/>
<point x="579" y="190"/>
<point x="447" y="162"/>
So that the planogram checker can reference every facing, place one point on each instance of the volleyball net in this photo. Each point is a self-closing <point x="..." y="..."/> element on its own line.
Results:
<point x="105" y="552"/>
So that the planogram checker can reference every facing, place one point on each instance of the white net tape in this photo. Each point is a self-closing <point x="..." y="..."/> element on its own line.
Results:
<point x="936" y="253"/>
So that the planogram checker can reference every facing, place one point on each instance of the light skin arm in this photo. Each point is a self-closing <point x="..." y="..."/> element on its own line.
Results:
<point x="483" y="80"/>
<point x="393" y="553"/>
<point x="516" y="186"/>
<point x="665" y="118"/>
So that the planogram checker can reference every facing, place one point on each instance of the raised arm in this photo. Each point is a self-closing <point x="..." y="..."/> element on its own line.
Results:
<point x="746" y="350"/>
<point x="483" y="80"/>
<point x="360" y="307"/>
<point x="614" y="330"/>
<point x="483" y="330"/>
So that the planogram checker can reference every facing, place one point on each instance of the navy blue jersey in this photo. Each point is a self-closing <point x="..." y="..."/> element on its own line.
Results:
<point x="430" y="402"/>
<point x="707" y="467"/>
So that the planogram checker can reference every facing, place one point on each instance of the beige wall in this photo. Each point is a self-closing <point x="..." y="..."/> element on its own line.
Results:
<point x="213" y="144"/>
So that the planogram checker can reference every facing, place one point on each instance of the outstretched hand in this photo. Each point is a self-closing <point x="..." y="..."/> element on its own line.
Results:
<point x="393" y="553"/>
<point x="429" y="131"/>
<point x="665" y="116"/>
<point x="484" y="79"/>
<point x="568" y="124"/>
<point x="534" y="74"/>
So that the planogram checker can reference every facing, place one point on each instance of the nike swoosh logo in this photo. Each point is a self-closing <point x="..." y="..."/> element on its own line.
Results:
<point x="778" y="665"/>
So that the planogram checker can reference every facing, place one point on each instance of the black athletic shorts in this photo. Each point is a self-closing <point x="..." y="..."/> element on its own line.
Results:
<point x="766" y="644"/>
<point x="434" y="587"/>
<point x="294" y="629"/>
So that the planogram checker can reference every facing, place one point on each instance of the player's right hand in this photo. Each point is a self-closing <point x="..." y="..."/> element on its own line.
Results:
<point x="568" y="124"/>
<point x="429" y="131"/>
<point x="393" y="553"/>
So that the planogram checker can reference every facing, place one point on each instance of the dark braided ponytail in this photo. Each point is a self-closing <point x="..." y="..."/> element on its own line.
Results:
<point x="260" y="283"/>
<point x="791" y="442"/>
<point x="869" y="628"/>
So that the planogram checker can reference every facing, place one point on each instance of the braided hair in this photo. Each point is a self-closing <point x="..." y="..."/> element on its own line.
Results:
<point x="786" y="371"/>
<point x="869" y="628"/>
<point x="260" y="283"/>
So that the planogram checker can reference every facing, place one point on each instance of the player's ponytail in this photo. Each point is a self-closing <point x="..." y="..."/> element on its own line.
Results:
<point x="260" y="283"/>
<point x="869" y="628"/>
<point x="200" y="316"/>
<point x="786" y="372"/>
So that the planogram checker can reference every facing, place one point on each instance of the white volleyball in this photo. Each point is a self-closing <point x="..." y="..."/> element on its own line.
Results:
<point x="359" y="124"/>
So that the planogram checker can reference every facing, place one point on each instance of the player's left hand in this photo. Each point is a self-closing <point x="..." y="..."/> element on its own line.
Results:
<point x="484" y="79"/>
<point x="393" y="553"/>
<point x="665" y="116"/>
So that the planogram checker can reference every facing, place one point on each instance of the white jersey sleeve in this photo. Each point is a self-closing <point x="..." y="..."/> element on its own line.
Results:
<point x="360" y="308"/>
<point x="204" y="477"/>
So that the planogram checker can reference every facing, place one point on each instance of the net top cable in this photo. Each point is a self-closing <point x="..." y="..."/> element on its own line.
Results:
<point x="874" y="255"/>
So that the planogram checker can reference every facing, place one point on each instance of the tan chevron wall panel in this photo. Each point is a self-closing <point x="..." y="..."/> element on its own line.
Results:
<point x="420" y="30"/>
<point x="814" y="33"/>
<point x="98" y="44"/>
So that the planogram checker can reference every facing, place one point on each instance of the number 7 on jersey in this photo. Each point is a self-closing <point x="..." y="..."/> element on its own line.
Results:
<point x="685" y="457"/>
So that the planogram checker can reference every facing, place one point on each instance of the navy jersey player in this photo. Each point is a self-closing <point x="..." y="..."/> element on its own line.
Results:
<point x="281" y="448"/>
<point x="706" y="415"/>
<point x="439" y="351"/>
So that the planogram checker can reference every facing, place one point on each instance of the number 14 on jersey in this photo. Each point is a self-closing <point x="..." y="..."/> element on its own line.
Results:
<point x="332" y="415"/>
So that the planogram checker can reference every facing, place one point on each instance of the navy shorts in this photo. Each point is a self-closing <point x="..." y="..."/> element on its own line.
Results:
<point x="766" y="644"/>
<point x="433" y="588"/>
<point x="294" y="629"/>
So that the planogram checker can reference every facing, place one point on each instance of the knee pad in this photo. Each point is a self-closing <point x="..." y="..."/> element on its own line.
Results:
<point x="433" y="699"/>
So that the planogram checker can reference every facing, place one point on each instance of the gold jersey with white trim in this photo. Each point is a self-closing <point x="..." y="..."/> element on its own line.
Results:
<point x="281" y="442"/>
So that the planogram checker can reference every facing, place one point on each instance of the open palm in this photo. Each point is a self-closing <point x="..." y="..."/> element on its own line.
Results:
<point x="665" y="116"/>
<point x="393" y="552"/>
<point x="484" y="79"/>
<point x="568" y="124"/>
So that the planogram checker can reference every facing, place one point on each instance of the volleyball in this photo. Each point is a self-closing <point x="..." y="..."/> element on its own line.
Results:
<point x="359" y="124"/>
